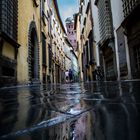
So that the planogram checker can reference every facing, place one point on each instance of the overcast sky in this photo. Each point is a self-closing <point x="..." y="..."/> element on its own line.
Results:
<point x="67" y="8"/>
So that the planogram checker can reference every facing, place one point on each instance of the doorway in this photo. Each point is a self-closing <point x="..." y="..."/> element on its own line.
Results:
<point x="33" y="54"/>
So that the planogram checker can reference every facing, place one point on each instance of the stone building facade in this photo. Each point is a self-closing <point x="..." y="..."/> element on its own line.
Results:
<point x="86" y="44"/>
<point x="8" y="41"/>
<point x="31" y="42"/>
<point x="106" y="43"/>
<point x="29" y="37"/>
<point x="71" y="32"/>
<point x="121" y="45"/>
<point x="58" y="45"/>
<point x="77" y="27"/>
<point x="131" y="25"/>
<point x="115" y="37"/>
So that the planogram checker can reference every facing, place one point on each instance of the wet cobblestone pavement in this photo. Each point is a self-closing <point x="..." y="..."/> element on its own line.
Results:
<point x="90" y="111"/>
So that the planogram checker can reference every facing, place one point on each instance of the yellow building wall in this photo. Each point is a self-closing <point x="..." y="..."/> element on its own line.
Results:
<point x="88" y="25"/>
<point x="88" y="28"/>
<point x="80" y="49"/>
<point x="44" y="29"/>
<point x="27" y="13"/>
<point x="8" y="50"/>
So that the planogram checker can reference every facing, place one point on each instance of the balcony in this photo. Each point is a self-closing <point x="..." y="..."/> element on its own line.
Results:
<point x="9" y="21"/>
<point x="105" y="41"/>
<point x="131" y="10"/>
<point x="129" y="6"/>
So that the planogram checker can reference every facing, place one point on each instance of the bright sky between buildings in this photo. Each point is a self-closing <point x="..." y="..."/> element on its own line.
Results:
<point x="67" y="8"/>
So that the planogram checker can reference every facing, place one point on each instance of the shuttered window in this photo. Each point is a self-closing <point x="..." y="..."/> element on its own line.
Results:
<point x="9" y="19"/>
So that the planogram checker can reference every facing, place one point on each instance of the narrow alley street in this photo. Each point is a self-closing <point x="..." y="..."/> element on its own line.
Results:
<point x="69" y="70"/>
<point x="76" y="111"/>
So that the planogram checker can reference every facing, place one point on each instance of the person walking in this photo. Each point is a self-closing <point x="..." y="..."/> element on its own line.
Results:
<point x="67" y="76"/>
<point x="70" y="75"/>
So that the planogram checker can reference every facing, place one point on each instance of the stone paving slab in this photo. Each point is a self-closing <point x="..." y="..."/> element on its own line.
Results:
<point x="80" y="111"/>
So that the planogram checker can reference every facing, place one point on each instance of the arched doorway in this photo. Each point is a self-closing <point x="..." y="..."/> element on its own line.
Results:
<point x="33" y="54"/>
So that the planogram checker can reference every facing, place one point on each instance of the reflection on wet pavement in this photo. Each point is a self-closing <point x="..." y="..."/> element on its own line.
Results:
<point x="79" y="111"/>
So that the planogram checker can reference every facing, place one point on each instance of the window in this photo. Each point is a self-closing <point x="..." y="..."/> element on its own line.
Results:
<point x="84" y="21"/>
<point x="9" y="18"/>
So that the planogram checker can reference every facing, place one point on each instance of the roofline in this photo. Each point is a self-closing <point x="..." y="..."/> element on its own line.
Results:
<point x="68" y="42"/>
<point x="74" y="54"/>
<point x="58" y="15"/>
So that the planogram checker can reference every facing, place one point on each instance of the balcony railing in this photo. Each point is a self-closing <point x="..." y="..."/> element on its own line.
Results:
<point x="129" y="6"/>
<point x="9" y="20"/>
